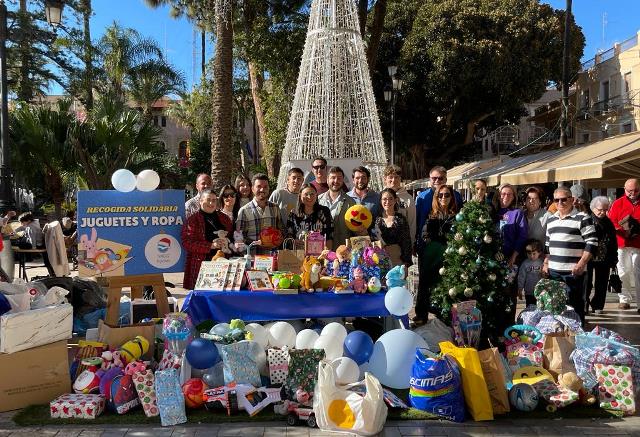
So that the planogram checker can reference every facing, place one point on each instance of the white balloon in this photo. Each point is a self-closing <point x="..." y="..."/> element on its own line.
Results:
<point x="398" y="301"/>
<point x="123" y="180"/>
<point x="283" y="334"/>
<point x="147" y="180"/>
<point x="260" y="334"/>
<point x="306" y="339"/>
<point x="221" y="329"/>
<point x="335" y="329"/>
<point x="347" y="370"/>
<point x="332" y="346"/>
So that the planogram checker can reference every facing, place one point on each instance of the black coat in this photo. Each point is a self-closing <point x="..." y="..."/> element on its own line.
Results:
<point x="607" y="251"/>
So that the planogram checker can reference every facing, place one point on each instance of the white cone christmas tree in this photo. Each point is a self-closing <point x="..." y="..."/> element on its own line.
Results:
<point x="334" y="113"/>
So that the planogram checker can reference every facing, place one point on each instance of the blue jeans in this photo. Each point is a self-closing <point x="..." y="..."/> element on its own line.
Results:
<point x="577" y="290"/>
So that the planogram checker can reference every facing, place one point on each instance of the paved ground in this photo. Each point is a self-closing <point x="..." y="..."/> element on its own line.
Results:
<point x="626" y="322"/>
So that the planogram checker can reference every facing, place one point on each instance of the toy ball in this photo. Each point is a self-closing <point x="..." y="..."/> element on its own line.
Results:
<point x="271" y="237"/>
<point x="358" y="218"/>
<point x="193" y="391"/>
<point x="202" y="354"/>
<point x="358" y="346"/>
<point x="296" y="280"/>
<point x="523" y="397"/>
<point x="285" y="282"/>
<point x="134" y="349"/>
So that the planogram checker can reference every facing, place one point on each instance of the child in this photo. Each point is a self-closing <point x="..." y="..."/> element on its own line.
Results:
<point x="530" y="271"/>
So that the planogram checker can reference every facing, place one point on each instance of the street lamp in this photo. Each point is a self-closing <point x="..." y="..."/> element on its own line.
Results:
<point x="391" y="92"/>
<point x="53" y="11"/>
<point x="6" y="179"/>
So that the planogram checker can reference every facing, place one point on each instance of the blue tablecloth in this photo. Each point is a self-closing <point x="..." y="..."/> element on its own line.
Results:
<point x="258" y="306"/>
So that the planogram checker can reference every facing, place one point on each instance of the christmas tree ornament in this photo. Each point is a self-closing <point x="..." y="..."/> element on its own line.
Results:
<point x="482" y="220"/>
<point x="452" y="292"/>
<point x="468" y="292"/>
<point x="492" y="264"/>
<point x="490" y="299"/>
<point x="492" y="277"/>
<point x="478" y="241"/>
<point x="479" y="260"/>
<point x="459" y="217"/>
<point x="487" y="239"/>
<point x="462" y="250"/>
<point x="500" y="256"/>
<point x="458" y="236"/>
<point x="464" y="276"/>
<point x="442" y="271"/>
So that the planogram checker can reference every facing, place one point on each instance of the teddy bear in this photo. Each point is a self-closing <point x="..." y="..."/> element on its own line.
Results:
<point x="571" y="381"/>
<point x="238" y="242"/>
<point x="311" y="268"/>
<point x="359" y="283"/>
<point x="342" y="261"/>
<point x="222" y="236"/>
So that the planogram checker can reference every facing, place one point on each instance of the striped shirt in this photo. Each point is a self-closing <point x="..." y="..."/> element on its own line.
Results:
<point x="568" y="238"/>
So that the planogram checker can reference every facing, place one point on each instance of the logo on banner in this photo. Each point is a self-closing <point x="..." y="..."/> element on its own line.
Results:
<point x="162" y="251"/>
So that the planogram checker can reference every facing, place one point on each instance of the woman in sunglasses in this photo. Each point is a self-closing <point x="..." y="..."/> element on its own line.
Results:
<point x="228" y="201"/>
<point x="435" y="233"/>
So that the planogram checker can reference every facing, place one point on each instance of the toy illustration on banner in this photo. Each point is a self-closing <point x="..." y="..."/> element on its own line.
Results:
<point x="97" y="256"/>
<point x="147" y="180"/>
<point x="358" y="218"/>
<point x="123" y="180"/>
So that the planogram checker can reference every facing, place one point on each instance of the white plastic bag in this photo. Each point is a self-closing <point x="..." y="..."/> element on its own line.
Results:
<point x="340" y="410"/>
<point x="434" y="332"/>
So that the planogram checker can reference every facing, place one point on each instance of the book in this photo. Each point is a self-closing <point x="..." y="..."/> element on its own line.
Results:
<point x="264" y="262"/>
<point x="239" y="276"/>
<point x="258" y="280"/>
<point x="212" y="275"/>
<point x="231" y="276"/>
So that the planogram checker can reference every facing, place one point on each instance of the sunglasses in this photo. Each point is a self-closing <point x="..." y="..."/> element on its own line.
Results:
<point x="444" y="195"/>
<point x="437" y="178"/>
<point x="228" y="195"/>
<point x="561" y="199"/>
<point x="318" y="167"/>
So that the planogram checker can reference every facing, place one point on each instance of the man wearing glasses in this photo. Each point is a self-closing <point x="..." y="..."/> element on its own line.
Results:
<point x="625" y="216"/>
<point x="571" y="239"/>
<point x="319" y="169"/>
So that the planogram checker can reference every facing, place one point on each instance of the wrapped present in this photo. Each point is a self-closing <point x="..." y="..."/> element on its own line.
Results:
<point x="239" y="366"/>
<point x="278" y="365"/>
<point x="615" y="388"/>
<point x="551" y="295"/>
<point x="170" y="360"/>
<point x="77" y="406"/>
<point x="303" y="371"/>
<point x="554" y="394"/>
<point x="170" y="398"/>
<point x="144" y="383"/>
<point x="523" y="354"/>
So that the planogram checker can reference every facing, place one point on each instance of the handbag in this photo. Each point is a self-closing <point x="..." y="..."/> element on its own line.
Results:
<point x="290" y="260"/>
<point x="615" y="283"/>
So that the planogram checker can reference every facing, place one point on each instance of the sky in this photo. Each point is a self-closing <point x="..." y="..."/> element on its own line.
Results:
<point x="604" y="22"/>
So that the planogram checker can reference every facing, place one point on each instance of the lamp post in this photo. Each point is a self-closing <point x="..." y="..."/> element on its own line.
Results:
<point x="53" y="11"/>
<point x="391" y="96"/>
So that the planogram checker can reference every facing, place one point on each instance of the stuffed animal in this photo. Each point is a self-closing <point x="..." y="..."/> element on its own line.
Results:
<point x="571" y="381"/>
<point x="341" y="263"/>
<point x="222" y="236"/>
<point x="238" y="242"/>
<point x="311" y="268"/>
<point x="134" y="349"/>
<point x="358" y="218"/>
<point x="359" y="284"/>
<point x="395" y="277"/>
<point x="219" y="254"/>
<point x="111" y="359"/>
<point x="374" y="285"/>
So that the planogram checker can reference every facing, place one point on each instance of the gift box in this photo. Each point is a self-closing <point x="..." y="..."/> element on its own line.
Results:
<point x="77" y="406"/>
<point x="170" y="398"/>
<point x="555" y="394"/>
<point x="29" y="329"/>
<point x="144" y="383"/>
<point x="615" y="388"/>
<point x="278" y="365"/>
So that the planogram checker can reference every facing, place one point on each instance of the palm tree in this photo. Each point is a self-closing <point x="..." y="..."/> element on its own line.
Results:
<point x="151" y="81"/>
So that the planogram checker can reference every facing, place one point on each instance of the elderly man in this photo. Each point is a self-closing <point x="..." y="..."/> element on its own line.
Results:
<point x="407" y="205"/>
<point x="570" y="241"/>
<point x="287" y="198"/>
<point x="319" y="170"/>
<point x="258" y="214"/>
<point x="338" y="203"/>
<point x="625" y="216"/>
<point x="191" y="206"/>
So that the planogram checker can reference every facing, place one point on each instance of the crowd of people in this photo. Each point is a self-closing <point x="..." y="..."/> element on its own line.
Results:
<point x="568" y="237"/>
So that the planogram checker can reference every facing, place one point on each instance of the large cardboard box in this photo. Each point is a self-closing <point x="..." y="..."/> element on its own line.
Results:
<point x="29" y="329"/>
<point x="34" y="376"/>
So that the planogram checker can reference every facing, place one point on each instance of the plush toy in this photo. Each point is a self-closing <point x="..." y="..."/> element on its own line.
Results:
<point x="219" y="254"/>
<point x="238" y="242"/>
<point x="395" y="277"/>
<point x="374" y="285"/>
<point x="359" y="284"/>
<point x="571" y="381"/>
<point x="373" y="257"/>
<point x="222" y="236"/>
<point x="311" y="268"/>
<point x="135" y="367"/>
<point x="134" y="349"/>
<point x="341" y="263"/>
<point x="358" y="218"/>
<point x="111" y="359"/>
<point x="89" y="380"/>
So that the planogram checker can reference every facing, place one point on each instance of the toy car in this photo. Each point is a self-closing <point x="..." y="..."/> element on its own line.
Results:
<point x="300" y="414"/>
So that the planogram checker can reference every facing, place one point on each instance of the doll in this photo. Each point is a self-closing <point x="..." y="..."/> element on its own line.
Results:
<point x="359" y="284"/>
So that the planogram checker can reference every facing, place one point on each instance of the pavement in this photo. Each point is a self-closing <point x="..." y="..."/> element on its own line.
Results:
<point x="625" y="322"/>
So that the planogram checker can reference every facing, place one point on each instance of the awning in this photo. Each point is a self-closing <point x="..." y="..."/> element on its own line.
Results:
<point x="457" y="173"/>
<point x="606" y="162"/>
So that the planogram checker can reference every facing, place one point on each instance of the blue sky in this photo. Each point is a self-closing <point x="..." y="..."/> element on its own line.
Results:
<point x="176" y="36"/>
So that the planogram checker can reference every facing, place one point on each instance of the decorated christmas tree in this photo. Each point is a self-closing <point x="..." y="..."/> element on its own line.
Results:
<point x="474" y="269"/>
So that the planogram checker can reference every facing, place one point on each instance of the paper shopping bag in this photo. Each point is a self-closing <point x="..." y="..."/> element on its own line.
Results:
<point x="495" y="375"/>
<point x="474" y="387"/>
<point x="290" y="260"/>
<point x="556" y="352"/>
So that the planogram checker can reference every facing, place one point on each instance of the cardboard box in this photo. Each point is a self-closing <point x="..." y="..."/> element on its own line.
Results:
<point x="77" y="406"/>
<point x="116" y="336"/>
<point x="34" y="376"/>
<point x="33" y="328"/>
<point x="146" y="309"/>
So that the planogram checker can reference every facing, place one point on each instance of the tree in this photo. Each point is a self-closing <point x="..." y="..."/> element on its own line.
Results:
<point x="474" y="269"/>
<point x="469" y="63"/>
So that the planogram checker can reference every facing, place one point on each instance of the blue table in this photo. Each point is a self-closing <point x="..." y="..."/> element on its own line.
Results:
<point x="222" y="306"/>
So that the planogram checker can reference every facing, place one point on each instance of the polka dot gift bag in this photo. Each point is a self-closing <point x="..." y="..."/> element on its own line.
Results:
<point x="615" y="388"/>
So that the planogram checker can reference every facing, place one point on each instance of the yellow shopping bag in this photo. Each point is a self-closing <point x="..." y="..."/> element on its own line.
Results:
<point x="474" y="387"/>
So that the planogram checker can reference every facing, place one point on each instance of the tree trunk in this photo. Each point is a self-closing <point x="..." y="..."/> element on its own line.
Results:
<point x="362" y="16"/>
<point x="257" y="80"/>
<point x="203" y="57"/>
<point x="222" y="156"/>
<point x="379" y="13"/>
<point x="25" y="88"/>
<point x="87" y="55"/>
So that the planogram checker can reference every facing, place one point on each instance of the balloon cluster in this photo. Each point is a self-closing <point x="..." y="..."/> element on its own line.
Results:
<point x="125" y="181"/>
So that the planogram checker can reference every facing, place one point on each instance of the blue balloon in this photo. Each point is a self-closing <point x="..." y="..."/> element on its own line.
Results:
<point x="358" y="346"/>
<point x="202" y="354"/>
<point x="393" y="356"/>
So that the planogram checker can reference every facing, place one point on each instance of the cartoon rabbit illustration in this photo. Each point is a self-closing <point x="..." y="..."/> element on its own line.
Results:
<point x="89" y="244"/>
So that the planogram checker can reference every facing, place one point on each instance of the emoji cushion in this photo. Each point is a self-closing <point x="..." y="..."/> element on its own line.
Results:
<point x="531" y="374"/>
<point x="358" y="218"/>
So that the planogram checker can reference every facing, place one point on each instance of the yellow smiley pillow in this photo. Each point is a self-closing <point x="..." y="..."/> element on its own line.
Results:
<point x="358" y="218"/>
<point x="531" y="374"/>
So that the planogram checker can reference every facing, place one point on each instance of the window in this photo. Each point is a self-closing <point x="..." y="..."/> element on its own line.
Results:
<point x="164" y="121"/>
<point x="155" y="120"/>
<point x="585" y="99"/>
<point x="626" y="128"/>
<point x="604" y="94"/>
<point x="627" y="82"/>
<point x="585" y="138"/>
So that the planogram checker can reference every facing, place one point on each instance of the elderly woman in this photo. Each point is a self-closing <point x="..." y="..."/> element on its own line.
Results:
<point x="605" y="257"/>
<point x="200" y="237"/>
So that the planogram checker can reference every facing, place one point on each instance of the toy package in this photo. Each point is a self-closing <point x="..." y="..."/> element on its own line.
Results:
<point x="124" y="396"/>
<point x="278" y="365"/>
<point x="467" y="323"/>
<point x="170" y="398"/>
